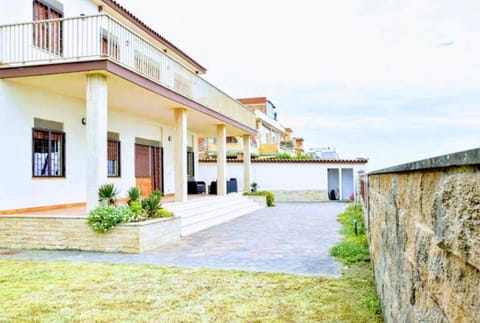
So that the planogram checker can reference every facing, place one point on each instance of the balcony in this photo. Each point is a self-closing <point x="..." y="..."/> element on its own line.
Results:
<point x="100" y="37"/>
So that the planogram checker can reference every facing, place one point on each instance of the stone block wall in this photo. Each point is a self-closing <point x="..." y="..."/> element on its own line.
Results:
<point x="424" y="232"/>
<point x="69" y="233"/>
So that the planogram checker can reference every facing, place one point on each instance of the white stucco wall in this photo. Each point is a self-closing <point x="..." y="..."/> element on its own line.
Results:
<point x="18" y="108"/>
<point x="20" y="104"/>
<point x="22" y="10"/>
<point x="279" y="176"/>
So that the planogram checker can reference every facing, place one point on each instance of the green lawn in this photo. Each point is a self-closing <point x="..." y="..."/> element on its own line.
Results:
<point x="85" y="292"/>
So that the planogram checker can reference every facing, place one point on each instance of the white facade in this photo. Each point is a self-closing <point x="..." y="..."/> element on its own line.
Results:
<point x="285" y="176"/>
<point x="78" y="78"/>
<point x="20" y="104"/>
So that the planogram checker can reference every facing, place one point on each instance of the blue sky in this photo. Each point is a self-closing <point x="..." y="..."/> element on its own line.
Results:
<point x="390" y="80"/>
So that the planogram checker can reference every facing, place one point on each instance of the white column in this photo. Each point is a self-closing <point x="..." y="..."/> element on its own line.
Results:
<point x="221" y="160"/>
<point x="246" y="163"/>
<point x="340" y="184"/>
<point x="180" y="151"/>
<point x="97" y="121"/>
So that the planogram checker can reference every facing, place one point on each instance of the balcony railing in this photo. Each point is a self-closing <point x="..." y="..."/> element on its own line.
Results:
<point x="99" y="37"/>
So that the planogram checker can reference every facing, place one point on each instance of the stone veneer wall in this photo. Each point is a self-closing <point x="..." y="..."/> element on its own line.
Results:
<point x="424" y="230"/>
<point x="57" y="233"/>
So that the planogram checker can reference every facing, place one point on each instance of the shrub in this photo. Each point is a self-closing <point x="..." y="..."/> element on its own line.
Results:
<point x="133" y="195"/>
<point x="254" y="186"/>
<point x="138" y="213"/>
<point x="104" y="218"/>
<point x="269" y="196"/>
<point x="152" y="204"/>
<point x="353" y="248"/>
<point x="164" y="213"/>
<point x="108" y="193"/>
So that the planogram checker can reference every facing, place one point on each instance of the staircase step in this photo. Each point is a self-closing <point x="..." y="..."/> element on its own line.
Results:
<point x="212" y="221"/>
<point x="212" y="212"/>
<point x="202" y="213"/>
<point x="213" y="207"/>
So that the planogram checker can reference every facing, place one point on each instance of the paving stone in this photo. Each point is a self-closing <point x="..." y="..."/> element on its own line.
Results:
<point x="291" y="237"/>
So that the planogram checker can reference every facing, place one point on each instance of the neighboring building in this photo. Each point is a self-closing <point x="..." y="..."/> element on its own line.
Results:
<point x="89" y="94"/>
<point x="299" y="145"/>
<point x="323" y="153"/>
<point x="305" y="180"/>
<point x="272" y="137"/>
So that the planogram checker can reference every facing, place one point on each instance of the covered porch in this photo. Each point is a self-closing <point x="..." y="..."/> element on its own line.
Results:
<point x="109" y="84"/>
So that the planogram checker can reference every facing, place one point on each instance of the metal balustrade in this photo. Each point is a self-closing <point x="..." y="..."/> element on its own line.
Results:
<point x="99" y="37"/>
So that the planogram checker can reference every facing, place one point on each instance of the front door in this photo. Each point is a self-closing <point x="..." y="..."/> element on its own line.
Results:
<point x="148" y="168"/>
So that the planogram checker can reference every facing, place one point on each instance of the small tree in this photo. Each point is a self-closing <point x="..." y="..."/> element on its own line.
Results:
<point x="254" y="186"/>
<point x="108" y="193"/>
<point x="133" y="195"/>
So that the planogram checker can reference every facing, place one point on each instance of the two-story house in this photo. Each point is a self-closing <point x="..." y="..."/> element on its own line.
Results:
<point x="89" y="94"/>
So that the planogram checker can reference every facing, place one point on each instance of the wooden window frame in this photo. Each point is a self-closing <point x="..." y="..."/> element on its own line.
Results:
<point x="49" y="139"/>
<point x="48" y="35"/>
<point x="118" y="159"/>
<point x="147" y="65"/>
<point x="110" y="46"/>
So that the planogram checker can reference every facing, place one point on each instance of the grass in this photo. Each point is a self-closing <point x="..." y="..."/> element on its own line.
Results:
<point x="36" y="291"/>
<point x="85" y="292"/>
<point x="353" y="252"/>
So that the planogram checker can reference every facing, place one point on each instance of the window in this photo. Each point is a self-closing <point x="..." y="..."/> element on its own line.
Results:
<point x="113" y="158"/>
<point x="147" y="65"/>
<point x="231" y="140"/>
<point x="47" y="35"/>
<point x="190" y="164"/>
<point x="110" y="45"/>
<point x="48" y="153"/>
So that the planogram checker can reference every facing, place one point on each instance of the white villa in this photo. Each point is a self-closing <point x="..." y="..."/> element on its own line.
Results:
<point x="89" y="95"/>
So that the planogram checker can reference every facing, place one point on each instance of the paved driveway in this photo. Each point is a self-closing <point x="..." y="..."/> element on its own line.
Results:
<point x="292" y="238"/>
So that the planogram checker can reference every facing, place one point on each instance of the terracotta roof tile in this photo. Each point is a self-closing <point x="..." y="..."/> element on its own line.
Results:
<point x="294" y="161"/>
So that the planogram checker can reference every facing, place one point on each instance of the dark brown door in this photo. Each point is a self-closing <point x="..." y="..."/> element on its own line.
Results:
<point x="148" y="168"/>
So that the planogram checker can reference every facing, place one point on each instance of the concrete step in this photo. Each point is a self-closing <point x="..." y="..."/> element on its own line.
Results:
<point x="213" y="206"/>
<point x="202" y="201"/>
<point x="187" y="229"/>
<point x="205" y="213"/>
<point x="202" y="213"/>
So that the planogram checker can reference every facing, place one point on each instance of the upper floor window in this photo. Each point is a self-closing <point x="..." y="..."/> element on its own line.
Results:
<point x="48" y="153"/>
<point x="231" y="140"/>
<point x="110" y="45"/>
<point x="147" y="65"/>
<point x="47" y="35"/>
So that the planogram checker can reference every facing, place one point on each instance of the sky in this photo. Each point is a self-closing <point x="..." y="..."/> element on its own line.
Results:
<point x="389" y="80"/>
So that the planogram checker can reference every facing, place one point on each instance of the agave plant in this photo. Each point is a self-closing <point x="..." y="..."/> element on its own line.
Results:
<point x="152" y="204"/>
<point x="133" y="195"/>
<point x="108" y="193"/>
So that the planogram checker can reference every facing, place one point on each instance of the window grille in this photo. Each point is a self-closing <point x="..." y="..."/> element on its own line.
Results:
<point x="48" y="153"/>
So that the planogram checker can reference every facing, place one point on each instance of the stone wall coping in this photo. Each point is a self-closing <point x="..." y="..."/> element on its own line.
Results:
<point x="148" y="222"/>
<point x="83" y="218"/>
<point x="463" y="158"/>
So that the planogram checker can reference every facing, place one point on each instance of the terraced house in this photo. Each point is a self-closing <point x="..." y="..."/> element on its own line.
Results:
<point x="271" y="138"/>
<point x="89" y="94"/>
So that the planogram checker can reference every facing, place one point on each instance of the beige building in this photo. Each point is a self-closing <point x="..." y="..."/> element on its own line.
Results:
<point x="272" y="137"/>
